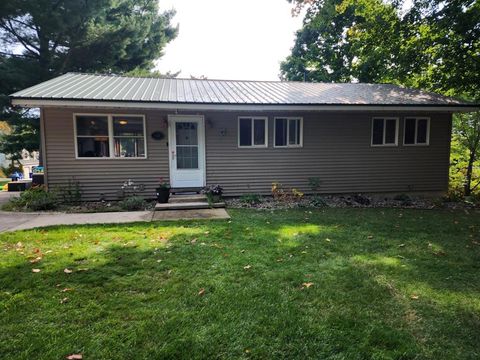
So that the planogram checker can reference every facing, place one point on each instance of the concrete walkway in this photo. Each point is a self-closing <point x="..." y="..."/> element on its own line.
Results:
<point x="12" y="221"/>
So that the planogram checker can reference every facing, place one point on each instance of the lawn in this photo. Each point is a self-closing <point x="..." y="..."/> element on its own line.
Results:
<point x="331" y="284"/>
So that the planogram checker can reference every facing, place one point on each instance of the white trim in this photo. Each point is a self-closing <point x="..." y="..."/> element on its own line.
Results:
<point x="416" y="129"/>
<point x="111" y="137"/>
<point x="252" y="119"/>
<point x="288" y="118"/>
<point x="384" y="118"/>
<point x="233" y="107"/>
<point x="201" y="144"/>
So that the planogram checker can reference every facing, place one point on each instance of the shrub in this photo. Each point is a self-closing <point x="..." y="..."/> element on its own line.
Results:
<point x="318" y="201"/>
<point x="133" y="203"/>
<point x="314" y="183"/>
<point x="251" y="199"/>
<point x="35" y="199"/>
<point x="213" y="193"/>
<point x="71" y="193"/>
<point x="404" y="198"/>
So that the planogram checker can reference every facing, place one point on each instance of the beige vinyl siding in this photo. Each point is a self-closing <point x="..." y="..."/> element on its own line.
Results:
<point x="99" y="176"/>
<point x="336" y="149"/>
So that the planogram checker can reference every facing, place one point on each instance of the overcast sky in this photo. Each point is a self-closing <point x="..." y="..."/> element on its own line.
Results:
<point x="230" y="39"/>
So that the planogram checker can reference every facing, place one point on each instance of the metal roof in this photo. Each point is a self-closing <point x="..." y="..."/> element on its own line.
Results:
<point x="88" y="87"/>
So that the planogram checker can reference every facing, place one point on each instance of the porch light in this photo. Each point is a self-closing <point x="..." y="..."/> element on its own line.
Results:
<point x="123" y="122"/>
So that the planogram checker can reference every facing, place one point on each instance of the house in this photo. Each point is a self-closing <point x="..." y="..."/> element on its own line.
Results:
<point x="244" y="135"/>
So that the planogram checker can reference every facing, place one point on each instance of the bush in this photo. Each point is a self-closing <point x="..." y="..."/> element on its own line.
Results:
<point x="70" y="193"/>
<point x="251" y="199"/>
<point x="34" y="199"/>
<point x="133" y="203"/>
<point x="404" y="198"/>
<point x="213" y="193"/>
<point x="318" y="201"/>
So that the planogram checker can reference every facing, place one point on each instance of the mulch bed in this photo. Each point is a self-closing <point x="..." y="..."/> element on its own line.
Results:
<point x="349" y="201"/>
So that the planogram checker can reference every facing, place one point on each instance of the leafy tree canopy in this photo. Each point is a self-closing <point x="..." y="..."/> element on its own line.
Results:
<point x="434" y="44"/>
<point x="40" y="39"/>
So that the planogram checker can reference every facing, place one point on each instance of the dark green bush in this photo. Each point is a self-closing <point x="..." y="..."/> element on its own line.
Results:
<point x="251" y="199"/>
<point x="34" y="199"/>
<point x="133" y="203"/>
<point x="318" y="201"/>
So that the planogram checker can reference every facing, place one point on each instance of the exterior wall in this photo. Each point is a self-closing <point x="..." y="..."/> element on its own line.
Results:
<point x="99" y="176"/>
<point x="336" y="149"/>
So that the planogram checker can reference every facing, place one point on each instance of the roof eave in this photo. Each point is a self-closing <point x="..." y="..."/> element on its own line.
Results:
<point x="39" y="102"/>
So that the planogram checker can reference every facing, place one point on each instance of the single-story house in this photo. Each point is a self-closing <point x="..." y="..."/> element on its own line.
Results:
<point x="244" y="135"/>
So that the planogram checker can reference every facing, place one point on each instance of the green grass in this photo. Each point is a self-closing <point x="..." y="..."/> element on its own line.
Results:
<point x="3" y="182"/>
<point x="135" y="288"/>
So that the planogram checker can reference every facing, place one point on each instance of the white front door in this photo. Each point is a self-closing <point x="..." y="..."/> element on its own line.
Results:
<point x="186" y="143"/>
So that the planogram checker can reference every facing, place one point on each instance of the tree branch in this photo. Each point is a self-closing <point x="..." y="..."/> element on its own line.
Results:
<point x="27" y="44"/>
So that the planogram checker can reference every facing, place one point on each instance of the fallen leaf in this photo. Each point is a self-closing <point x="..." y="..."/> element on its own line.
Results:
<point x="370" y="236"/>
<point x="66" y="289"/>
<point x="306" y="285"/>
<point x="48" y="251"/>
<point x="201" y="292"/>
<point x="37" y="259"/>
<point x="193" y="241"/>
<point x="401" y="245"/>
<point x="36" y="270"/>
<point x="327" y="239"/>
<point x="37" y="251"/>
<point x="74" y="357"/>
<point x="247" y="267"/>
<point x="207" y="232"/>
<point x="414" y="297"/>
<point x="304" y="252"/>
<point x="67" y="271"/>
<point x="64" y="300"/>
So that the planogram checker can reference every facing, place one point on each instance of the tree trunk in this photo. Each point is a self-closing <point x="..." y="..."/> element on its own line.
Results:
<point x="468" y="178"/>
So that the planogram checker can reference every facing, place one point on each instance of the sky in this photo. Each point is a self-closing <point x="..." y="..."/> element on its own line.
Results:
<point x="230" y="39"/>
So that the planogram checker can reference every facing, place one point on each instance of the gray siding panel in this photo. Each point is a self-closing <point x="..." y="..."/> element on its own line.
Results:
<point x="102" y="176"/>
<point x="336" y="149"/>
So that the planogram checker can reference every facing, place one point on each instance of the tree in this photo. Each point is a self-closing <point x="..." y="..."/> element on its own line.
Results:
<point x="40" y="39"/>
<point x="433" y="45"/>
<point x="466" y="136"/>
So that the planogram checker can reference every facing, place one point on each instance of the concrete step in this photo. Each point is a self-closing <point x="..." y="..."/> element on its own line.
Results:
<point x="187" y="205"/>
<point x="174" y="199"/>
<point x="189" y="191"/>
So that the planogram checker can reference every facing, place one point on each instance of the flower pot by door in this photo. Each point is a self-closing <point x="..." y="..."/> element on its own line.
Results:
<point x="163" y="195"/>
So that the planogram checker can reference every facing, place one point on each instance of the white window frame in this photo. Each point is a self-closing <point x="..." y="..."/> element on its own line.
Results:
<point x="288" y="118"/>
<point x="416" y="130"/>
<point x="252" y="118"/>
<point x="384" y="118"/>
<point x="111" y="137"/>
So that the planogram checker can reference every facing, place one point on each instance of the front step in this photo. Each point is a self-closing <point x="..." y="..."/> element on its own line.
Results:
<point x="187" y="205"/>
<point x="185" y="198"/>
<point x="189" y="191"/>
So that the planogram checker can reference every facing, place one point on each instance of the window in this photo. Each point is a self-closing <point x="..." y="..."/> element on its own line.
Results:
<point x="384" y="131"/>
<point x="417" y="131"/>
<point x="252" y="132"/>
<point x="110" y="136"/>
<point x="288" y="132"/>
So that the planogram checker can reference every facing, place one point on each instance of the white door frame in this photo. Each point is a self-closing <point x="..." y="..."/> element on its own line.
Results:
<point x="202" y="163"/>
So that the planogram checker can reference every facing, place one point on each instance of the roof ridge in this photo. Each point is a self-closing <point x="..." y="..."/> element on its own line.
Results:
<point x="230" y="80"/>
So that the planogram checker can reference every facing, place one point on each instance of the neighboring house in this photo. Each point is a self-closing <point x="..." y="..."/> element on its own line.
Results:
<point x="28" y="161"/>
<point x="243" y="135"/>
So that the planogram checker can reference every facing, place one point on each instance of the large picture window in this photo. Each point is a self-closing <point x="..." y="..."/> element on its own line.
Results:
<point x="252" y="132"/>
<point x="416" y="131"/>
<point x="110" y="136"/>
<point x="288" y="132"/>
<point x="384" y="131"/>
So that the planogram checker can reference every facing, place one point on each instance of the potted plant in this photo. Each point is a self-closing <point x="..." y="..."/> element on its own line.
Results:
<point x="163" y="191"/>
<point x="213" y="193"/>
